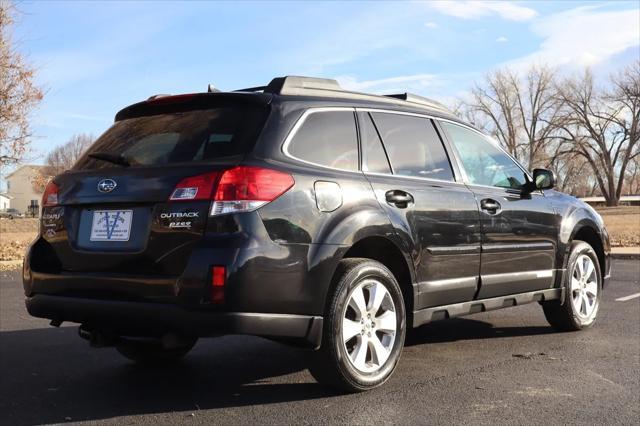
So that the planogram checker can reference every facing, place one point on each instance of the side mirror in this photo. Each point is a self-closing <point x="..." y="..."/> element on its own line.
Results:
<point x="543" y="179"/>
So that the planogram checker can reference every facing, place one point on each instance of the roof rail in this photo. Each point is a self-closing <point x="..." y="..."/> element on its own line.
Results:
<point x="421" y="100"/>
<point x="295" y="85"/>
<point x="324" y="87"/>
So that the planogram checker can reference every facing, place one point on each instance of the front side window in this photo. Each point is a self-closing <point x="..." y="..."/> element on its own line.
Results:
<point x="413" y="146"/>
<point x="485" y="163"/>
<point x="327" y="138"/>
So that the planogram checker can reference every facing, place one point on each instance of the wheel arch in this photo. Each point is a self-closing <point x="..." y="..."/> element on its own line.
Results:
<point x="385" y="251"/>
<point x="588" y="233"/>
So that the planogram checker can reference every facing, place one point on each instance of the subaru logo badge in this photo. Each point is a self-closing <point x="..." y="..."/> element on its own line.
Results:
<point x="107" y="185"/>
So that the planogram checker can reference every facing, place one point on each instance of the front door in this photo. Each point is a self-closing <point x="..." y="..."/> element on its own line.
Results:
<point x="436" y="216"/>
<point x="519" y="228"/>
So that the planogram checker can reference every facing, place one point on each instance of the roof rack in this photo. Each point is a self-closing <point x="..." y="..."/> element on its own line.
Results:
<point x="324" y="87"/>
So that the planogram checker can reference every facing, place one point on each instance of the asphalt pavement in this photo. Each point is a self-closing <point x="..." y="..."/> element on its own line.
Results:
<point x="501" y="367"/>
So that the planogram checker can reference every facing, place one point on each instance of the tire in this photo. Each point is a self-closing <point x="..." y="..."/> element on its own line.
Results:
<point x="580" y="306"/>
<point x="152" y="351"/>
<point x="370" y="352"/>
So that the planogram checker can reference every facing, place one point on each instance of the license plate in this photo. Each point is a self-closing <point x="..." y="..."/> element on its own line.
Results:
<point x="111" y="225"/>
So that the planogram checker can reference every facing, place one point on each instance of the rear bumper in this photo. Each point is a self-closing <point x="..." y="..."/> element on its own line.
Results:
<point x="151" y="319"/>
<point x="262" y="275"/>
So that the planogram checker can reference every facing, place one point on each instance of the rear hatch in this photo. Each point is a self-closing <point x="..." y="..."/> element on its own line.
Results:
<point x="114" y="212"/>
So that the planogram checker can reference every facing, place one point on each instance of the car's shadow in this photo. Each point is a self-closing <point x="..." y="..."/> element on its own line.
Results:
<point x="50" y="375"/>
<point x="467" y="329"/>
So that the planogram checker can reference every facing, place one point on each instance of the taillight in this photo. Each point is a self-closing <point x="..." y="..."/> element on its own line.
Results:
<point x="50" y="196"/>
<point x="240" y="189"/>
<point x="195" y="187"/>
<point x="247" y="188"/>
<point x="218" y="279"/>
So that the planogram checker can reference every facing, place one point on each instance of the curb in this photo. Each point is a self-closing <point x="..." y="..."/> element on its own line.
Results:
<point x="626" y="256"/>
<point x="625" y="252"/>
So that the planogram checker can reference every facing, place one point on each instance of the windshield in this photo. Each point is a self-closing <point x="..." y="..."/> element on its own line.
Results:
<point x="201" y="135"/>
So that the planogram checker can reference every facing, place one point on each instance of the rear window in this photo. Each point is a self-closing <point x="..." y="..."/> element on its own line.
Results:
<point x="180" y="137"/>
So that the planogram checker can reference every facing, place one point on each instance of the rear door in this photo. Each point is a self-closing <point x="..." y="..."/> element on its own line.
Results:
<point x="437" y="216"/>
<point x="117" y="211"/>
<point x="518" y="228"/>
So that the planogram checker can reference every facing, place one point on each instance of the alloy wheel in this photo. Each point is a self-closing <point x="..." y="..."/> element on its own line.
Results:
<point x="369" y="323"/>
<point x="584" y="286"/>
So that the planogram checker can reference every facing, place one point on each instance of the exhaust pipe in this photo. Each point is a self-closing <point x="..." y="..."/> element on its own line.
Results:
<point x="96" y="339"/>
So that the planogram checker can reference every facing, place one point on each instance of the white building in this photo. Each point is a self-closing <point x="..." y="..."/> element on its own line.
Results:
<point x="5" y="201"/>
<point x="21" y="190"/>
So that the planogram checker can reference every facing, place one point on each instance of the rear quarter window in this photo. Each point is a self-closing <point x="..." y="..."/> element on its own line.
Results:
<point x="327" y="138"/>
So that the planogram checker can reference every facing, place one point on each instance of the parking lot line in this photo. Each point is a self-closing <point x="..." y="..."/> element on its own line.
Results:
<point x="629" y="297"/>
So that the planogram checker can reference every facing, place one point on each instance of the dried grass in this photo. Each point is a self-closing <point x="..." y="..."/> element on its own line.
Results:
<point x="623" y="224"/>
<point x="13" y="244"/>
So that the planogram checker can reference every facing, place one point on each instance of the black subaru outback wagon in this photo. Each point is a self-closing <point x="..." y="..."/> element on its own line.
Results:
<point x="307" y="214"/>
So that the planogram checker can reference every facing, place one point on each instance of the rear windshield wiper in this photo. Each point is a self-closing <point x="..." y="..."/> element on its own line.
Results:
<point x="111" y="158"/>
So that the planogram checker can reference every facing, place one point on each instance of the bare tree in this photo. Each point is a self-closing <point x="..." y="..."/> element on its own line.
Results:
<point x="626" y="90"/>
<point x="572" y="172"/>
<point x="65" y="156"/>
<point x="62" y="158"/>
<point x="18" y="93"/>
<point x="604" y="126"/>
<point x="632" y="181"/>
<point x="523" y="113"/>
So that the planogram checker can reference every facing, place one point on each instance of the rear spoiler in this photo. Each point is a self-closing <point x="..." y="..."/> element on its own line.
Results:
<point x="163" y="104"/>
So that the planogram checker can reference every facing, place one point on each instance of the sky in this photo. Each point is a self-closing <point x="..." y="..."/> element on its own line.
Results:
<point x="94" y="58"/>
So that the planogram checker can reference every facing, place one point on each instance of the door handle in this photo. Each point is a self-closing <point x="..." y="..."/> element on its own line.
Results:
<point x="399" y="198"/>
<point x="491" y="206"/>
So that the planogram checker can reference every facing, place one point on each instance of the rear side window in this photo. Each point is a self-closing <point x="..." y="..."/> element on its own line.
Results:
<point x="484" y="163"/>
<point x="413" y="146"/>
<point x="200" y="135"/>
<point x="327" y="138"/>
<point x="374" y="158"/>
